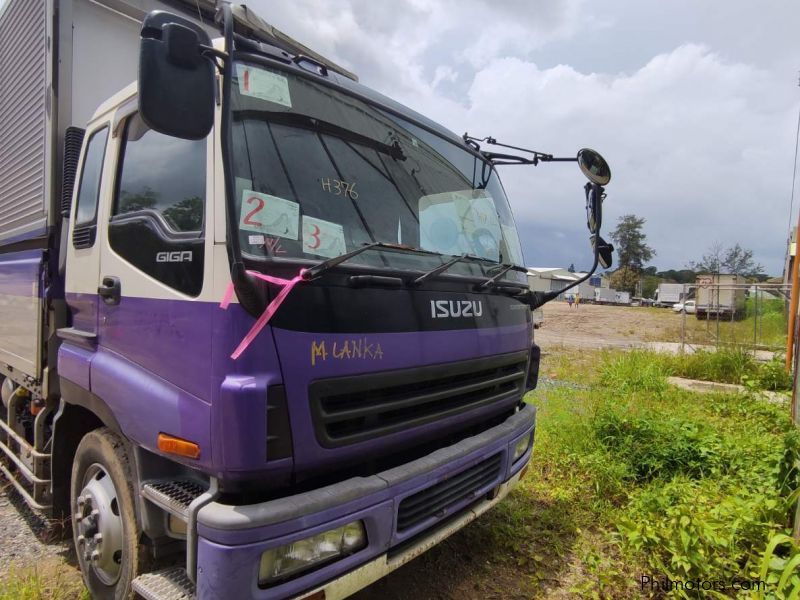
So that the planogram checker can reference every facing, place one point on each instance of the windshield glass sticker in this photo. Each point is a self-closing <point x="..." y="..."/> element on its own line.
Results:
<point x="460" y="222"/>
<point x="339" y="187"/>
<point x="323" y="237"/>
<point x="255" y="240"/>
<point x="511" y="239"/>
<point x="269" y="215"/>
<point x="262" y="84"/>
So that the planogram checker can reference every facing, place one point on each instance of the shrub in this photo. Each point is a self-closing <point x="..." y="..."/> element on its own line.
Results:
<point x="772" y="375"/>
<point x="654" y="446"/>
<point x="700" y="529"/>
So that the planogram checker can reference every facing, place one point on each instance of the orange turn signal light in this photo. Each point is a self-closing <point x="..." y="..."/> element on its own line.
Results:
<point x="175" y="445"/>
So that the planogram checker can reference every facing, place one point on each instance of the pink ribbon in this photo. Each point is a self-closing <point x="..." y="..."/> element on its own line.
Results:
<point x="271" y="309"/>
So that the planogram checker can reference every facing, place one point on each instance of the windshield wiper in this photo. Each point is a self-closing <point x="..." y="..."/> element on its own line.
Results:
<point x="312" y="123"/>
<point x="318" y="269"/>
<point x="502" y="270"/>
<point x="439" y="270"/>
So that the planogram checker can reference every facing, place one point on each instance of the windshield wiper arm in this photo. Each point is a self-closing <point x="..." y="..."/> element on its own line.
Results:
<point x="504" y="268"/>
<point x="493" y="280"/>
<point x="318" y="269"/>
<point x="439" y="270"/>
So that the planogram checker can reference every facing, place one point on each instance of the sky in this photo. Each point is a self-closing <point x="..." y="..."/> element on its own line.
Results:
<point x="693" y="104"/>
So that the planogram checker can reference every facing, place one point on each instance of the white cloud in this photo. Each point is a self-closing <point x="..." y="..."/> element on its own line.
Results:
<point x="699" y="145"/>
<point x="696" y="146"/>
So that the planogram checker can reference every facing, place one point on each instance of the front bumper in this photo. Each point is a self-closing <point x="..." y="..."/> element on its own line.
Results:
<point x="231" y="539"/>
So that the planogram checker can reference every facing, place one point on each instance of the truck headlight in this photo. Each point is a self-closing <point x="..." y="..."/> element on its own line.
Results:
<point x="521" y="447"/>
<point x="292" y="559"/>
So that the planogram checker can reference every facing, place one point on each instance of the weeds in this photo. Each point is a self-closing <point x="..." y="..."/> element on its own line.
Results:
<point x="726" y="365"/>
<point x="780" y="569"/>
<point x="658" y="447"/>
<point x="646" y="371"/>
<point x="49" y="580"/>
<point x="634" y="371"/>
<point x="683" y="485"/>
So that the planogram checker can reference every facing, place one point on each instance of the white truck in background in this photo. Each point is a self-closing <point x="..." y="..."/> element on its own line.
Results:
<point x="605" y="296"/>
<point x="622" y="298"/>
<point x="611" y="296"/>
<point x="721" y="296"/>
<point x="669" y="294"/>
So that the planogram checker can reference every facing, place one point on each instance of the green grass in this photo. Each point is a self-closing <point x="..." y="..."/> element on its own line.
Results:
<point x="632" y="476"/>
<point x="642" y="370"/>
<point x="48" y="580"/>
<point x="768" y="330"/>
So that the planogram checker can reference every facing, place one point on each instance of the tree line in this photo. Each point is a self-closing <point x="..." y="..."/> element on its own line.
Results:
<point x="633" y="253"/>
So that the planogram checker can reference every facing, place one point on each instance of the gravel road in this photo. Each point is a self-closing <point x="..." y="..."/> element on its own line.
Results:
<point x="26" y="537"/>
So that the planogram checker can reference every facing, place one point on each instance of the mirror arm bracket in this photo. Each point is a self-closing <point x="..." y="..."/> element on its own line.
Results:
<point x="537" y="299"/>
<point x="213" y="54"/>
<point x="244" y="286"/>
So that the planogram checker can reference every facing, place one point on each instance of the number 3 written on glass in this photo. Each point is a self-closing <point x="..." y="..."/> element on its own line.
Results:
<point x="339" y="188"/>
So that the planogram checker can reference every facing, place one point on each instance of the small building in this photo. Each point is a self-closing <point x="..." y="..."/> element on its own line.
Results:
<point x="549" y="279"/>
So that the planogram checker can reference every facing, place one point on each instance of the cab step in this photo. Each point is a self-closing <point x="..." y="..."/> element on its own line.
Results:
<point x="174" y="496"/>
<point x="167" y="584"/>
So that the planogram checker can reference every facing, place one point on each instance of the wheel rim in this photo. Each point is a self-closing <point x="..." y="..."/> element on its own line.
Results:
<point x="99" y="525"/>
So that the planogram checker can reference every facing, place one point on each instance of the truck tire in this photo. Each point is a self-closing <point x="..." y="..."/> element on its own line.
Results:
<point x="102" y="504"/>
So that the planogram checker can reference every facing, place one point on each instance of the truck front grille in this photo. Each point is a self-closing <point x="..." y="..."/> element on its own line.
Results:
<point x="346" y="410"/>
<point x="435" y="500"/>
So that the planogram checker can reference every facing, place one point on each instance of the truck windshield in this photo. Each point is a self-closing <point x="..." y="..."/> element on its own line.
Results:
<point x="319" y="173"/>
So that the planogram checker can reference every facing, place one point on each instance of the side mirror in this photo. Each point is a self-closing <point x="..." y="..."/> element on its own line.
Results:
<point x="605" y="251"/>
<point x="176" y="82"/>
<point x="594" y="166"/>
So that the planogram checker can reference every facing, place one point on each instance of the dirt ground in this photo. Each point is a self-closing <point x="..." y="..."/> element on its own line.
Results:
<point x="600" y="326"/>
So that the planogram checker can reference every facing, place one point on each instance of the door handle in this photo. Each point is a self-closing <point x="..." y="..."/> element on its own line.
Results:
<point x="110" y="290"/>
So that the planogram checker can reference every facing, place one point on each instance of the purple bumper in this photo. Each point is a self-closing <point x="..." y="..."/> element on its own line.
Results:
<point x="233" y="538"/>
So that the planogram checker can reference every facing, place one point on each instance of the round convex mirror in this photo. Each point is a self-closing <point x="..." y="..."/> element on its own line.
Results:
<point x="594" y="166"/>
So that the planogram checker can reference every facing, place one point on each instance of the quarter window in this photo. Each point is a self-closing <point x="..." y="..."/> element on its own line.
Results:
<point x="85" y="228"/>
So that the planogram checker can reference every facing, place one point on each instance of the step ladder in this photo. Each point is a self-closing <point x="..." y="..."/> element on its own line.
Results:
<point x="173" y="495"/>
<point x="166" y="584"/>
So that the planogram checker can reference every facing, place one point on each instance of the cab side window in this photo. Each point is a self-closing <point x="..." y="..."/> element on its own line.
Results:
<point x="159" y="206"/>
<point x="163" y="174"/>
<point x="85" y="229"/>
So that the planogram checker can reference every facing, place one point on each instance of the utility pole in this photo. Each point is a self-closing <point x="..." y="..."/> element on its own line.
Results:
<point x="796" y="421"/>
<point x="792" y="333"/>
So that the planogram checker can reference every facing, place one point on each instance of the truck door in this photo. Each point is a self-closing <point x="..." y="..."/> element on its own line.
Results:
<point x="154" y="314"/>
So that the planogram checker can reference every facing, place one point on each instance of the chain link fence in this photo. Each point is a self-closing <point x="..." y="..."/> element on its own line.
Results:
<point x="745" y="315"/>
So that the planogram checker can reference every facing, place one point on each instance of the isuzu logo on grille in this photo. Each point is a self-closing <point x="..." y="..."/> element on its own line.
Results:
<point x="442" y="309"/>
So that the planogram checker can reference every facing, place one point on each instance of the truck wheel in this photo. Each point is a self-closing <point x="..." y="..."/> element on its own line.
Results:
<point x="104" y="524"/>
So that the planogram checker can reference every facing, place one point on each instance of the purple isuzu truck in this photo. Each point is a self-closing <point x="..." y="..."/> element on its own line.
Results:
<point x="265" y="332"/>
